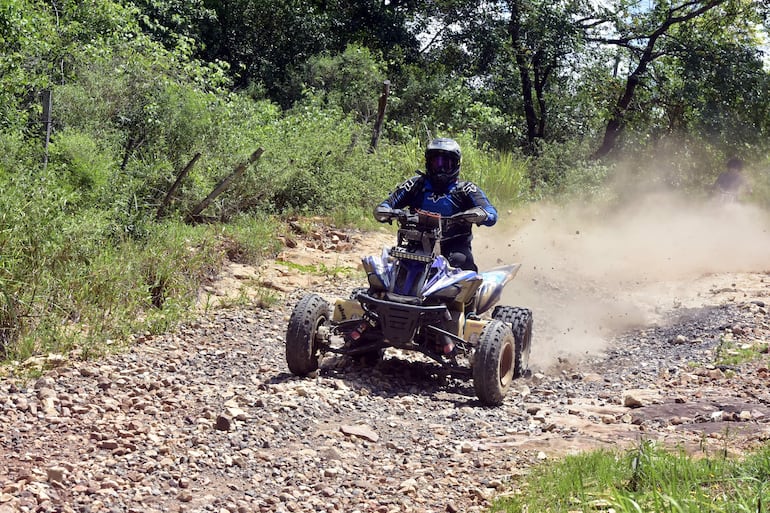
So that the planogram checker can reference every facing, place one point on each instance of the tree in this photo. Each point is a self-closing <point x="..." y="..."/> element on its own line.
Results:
<point x="714" y="81"/>
<point x="169" y="20"/>
<point x="268" y="42"/>
<point x="542" y="36"/>
<point x="640" y="33"/>
<point x="27" y="35"/>
<point x="350" y="80"/>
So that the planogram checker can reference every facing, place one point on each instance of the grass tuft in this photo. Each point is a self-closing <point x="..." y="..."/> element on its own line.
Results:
<point x="645" y="479"/>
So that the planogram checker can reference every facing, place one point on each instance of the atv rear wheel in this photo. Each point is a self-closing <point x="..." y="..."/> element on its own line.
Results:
<point x="302" y="343"/>
<point x="520" y="321"/>
<point x="493" y="363"/>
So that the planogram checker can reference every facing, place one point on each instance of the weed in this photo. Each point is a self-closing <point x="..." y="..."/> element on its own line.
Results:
<point x="732" y="353"/>
<point x="319" y="269"/>
<point x="647" y="478"/>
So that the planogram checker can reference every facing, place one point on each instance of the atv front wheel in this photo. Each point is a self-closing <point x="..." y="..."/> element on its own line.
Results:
<point x="302" y="345"/>
<point x="493" y="363"/>
<point x="520" y="321"/>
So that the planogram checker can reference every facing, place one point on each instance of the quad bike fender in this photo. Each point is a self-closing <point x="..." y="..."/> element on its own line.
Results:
<point x="492" y="287"/>
<point x="346" y="309"/>
<point x="472" y="330"/>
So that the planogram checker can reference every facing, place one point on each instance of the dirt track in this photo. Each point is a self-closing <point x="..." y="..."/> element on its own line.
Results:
<point x="209" y="419"/>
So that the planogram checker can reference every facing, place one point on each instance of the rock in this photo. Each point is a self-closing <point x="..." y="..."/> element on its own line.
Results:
<point x="680" y="339"/>
<point x="716" y="374"/>
<point x="360" y="431"/>
<point x="636" y="398"/>
<point x="408" y="486"/>
<point x="223" y="423"/>
<point x="56" y="474"/>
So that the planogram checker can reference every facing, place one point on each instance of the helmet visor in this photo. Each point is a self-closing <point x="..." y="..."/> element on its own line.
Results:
<point x="439" y="164"/>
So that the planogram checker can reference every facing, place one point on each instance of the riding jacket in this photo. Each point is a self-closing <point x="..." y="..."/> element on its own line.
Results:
<point x="417" y="193"/>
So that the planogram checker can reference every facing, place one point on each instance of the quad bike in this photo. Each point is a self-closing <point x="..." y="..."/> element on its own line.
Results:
<point x="416" y="301"/>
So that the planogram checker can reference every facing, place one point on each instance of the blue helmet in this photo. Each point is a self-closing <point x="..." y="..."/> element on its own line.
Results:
<point x="442" y="163"/>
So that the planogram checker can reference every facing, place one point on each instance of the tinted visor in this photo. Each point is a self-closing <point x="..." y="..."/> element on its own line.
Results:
<point x="440" y="164"/>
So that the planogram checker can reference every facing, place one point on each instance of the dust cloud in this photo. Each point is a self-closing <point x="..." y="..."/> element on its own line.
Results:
<point x="589" y="271"/>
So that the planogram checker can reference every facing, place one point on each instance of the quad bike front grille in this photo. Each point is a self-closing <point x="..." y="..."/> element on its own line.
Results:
<point x="399" y="322"/>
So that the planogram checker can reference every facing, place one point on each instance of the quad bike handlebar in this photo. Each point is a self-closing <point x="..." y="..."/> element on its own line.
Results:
<point x="405" y="217"/>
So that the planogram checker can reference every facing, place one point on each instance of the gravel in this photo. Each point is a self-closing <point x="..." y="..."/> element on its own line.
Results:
<point x="208" y="418"/>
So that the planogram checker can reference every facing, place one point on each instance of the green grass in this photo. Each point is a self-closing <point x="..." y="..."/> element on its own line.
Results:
<point x="320" y="269"/>
<point x="646" y="479"/>
<point x="732" y="353"/>
<point x="87" y="298"/>
<point x="502" y="176"/>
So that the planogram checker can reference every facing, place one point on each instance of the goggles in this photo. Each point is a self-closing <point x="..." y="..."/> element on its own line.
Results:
<point x="441" y="164"/>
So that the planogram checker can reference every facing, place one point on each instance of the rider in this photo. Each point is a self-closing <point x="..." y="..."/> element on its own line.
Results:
<point x="732" y="184"/>
<point x="439" y="191"/>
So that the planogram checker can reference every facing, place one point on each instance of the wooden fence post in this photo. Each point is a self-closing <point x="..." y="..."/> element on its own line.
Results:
<point x="380" y="116"/>
<point x="224" y="184"/>
<point x="47" y="104"/>
<point x="175" y="186"/>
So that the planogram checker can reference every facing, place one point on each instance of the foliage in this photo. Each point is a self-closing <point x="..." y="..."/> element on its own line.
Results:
<point x="68" y="283"/>
<point x="170" y="21"/>
<point x="262" y="39"/>
<point x="731" y="353"/>
<point x="266" y="42"/>
<point x="141" y="87"/>
<point x="26" y="30"/>
<point x="561" y="169"/>
<point x="350" y="80"/>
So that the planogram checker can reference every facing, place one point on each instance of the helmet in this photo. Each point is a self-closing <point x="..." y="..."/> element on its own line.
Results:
<point x="442" y="163"/>
<point x="735" y="163"/>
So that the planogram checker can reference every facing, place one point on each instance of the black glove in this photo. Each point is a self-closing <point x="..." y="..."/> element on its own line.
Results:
<point x="383" y="213"/>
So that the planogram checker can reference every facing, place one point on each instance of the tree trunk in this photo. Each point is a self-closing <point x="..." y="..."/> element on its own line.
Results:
<point x="383" y="103"/>
<point x="616" y="123"/>
<point x="522" y="63"/>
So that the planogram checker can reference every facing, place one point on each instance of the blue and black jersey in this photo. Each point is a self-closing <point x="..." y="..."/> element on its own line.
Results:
<point x="417" y="193"/>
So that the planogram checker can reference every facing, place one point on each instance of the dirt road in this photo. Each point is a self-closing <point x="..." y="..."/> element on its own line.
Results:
<point x="209" y="419"/>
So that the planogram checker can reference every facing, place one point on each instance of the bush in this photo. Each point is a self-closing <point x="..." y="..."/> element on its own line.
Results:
<point x="82" y="166"/>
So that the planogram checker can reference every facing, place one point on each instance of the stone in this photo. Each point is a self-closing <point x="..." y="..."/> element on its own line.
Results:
<point x="223" y="423"/>
<point x="636" y="398"/>
<point x="360" y="431"/>
<point x="56" y="474"/>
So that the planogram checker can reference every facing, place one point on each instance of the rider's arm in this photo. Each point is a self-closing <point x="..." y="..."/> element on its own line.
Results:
<point x="383" y="212"/>
<point x="402" y="197"/>
<point x="475" y="197"/>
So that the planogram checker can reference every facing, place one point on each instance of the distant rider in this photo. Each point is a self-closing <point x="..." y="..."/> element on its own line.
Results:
<point x="732" y="184"/>
<point x="439" y="191"/>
